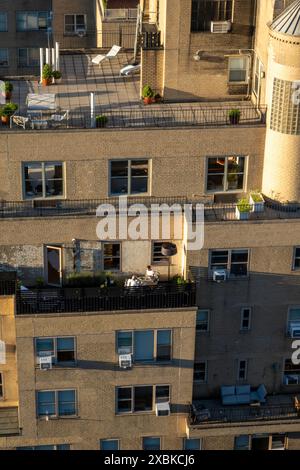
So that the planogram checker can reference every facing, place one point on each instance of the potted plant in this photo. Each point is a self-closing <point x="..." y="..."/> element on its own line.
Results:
<point x="158" y="98"/>
<point x="242" y="209"/>
<point x="7" y="111"/>
<point x="47" y="75"/>
<point x="101" y="120"/>
<point x="234" y="116"/>
<point x="147" y="94"/>
<point x="8" y="88"/>
<point x="56" y="74"/>
<point x="257" y="201"/>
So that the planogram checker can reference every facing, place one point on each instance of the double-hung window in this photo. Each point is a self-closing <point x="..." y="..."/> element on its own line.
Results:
<point x="293" y="323"/>
<point x="28" y="57"/>
<point x="109" y="444"/>
<point x="202" y="320"/>
<point x="3" y="57"/>
<point x="56" y="403"/>
<point x="234" y="261"/>
<point x="238" y="69"/>
<point x="245" y="319"/>
<point x="43" y="179"/>
<point x="200" y="371"/>
<point x="296" y="258"/>
<point x="62" y="349"/>
<point x="146" y="345"/>
<point x="225" y="174"/>
<point x="32" y="20"/>
<point x="3" y="21"/>
<point x="206" y="11"/>
<point x="129" y="177"/>
<point x="242" y="442"/>
<point x="140" y="398"/>
<point x="242" y="369"/>
<point x="111" y="256"/>
<point x="151" y="443"/>
<point x="192" y="444"/>
<point x="75" y="23"/>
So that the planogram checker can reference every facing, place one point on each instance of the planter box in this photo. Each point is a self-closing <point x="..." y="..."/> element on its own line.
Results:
<point x="241" y="215"/>
<point x="257" y="206"/>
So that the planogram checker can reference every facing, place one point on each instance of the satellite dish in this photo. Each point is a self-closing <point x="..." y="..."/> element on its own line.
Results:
<point x="2" y="92"/>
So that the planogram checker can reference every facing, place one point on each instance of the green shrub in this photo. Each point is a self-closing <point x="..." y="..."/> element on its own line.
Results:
<point x="85" y="279"/>
<point x="147" y="92"/>
<point x="8" y="87"/>
<point x="257" y="197"/>
<point x="243" y="205"/>
<point x="56" y="74"/>
<point x="101" y="119"/>
<point x="8" y="109"/>
<point x="47" y="72"/>
<point x="234" y="113"/>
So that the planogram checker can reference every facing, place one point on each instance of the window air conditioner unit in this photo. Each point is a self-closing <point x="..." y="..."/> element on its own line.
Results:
<point x="162" y="409"/>
<point x="81" y="32"/>
<point x="125" y="361"/>
<point x="45" y="362"/>
<point x="294" y="330"/>
<point x="220" y="26"/>
<point x="291" y="379"/>
<point x="219" y="275"/>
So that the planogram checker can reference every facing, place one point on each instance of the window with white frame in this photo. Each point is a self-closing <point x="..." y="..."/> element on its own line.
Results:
<point x="3" y="21"/>
<point x="140" y="398"/>
<point x="61" y="349"/>
<point x="1" y="386"/>
<point x="157" y="256"/>
<point x="202" y="320"/>
<point x="234" y="261"/>
<point x="43" y="179"/>
<point x="129" y="177"/>
<point x="109" y="444"/>
<point x="151" y="443"/>
<point x="200" y="371"/>
<point x="3" y="57"/>
<point x="242" y="369"/>
<point x="146" y="345"/>
<point x="56" y="403"/>
<point x="296" y="258"/>
<point x="28" y="57"/>
<point x="238" y="69"/>
<point x="111" y="256"/>
<point x="225" y="174"/>
<point x="293" y="321"/>
<point x="192" y="444"/>
<point x="32" y="20"/>
<point x="75" y="23"/>
<point x="206" y="11"/>
<point x="245" y="319"/>
<point x="291" y="373"/>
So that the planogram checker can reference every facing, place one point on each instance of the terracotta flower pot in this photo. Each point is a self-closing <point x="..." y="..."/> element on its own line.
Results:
<point x="148" y="100"/>
<point x="5" y="120"/>
<point x="46" y="81"/>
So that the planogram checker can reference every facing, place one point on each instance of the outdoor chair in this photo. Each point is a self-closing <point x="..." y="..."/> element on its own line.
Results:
<point x="110" y="55"/>
<point x="130" y="70"/>
<point x="20" y="121"/>
<point x="57" y="119"/>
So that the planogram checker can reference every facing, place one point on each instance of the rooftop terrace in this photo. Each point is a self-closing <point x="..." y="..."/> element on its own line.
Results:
<point x="119" y="98"/>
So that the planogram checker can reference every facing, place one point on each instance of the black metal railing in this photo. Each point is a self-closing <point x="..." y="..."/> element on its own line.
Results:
<point x="8" y="283"/>
<point x="155" y="116"/>
<point x="151" y="40"/>
<point x="64" y="300"/>
<point x="240" y="414"/>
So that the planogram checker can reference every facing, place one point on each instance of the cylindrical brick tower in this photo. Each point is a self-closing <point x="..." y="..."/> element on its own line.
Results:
<point x="281" y="175"/>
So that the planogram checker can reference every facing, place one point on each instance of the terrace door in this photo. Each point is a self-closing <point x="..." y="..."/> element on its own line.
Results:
<point x="53" y="265"/>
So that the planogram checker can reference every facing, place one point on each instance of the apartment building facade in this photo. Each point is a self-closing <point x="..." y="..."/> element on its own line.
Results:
<point x="188" y="341"/>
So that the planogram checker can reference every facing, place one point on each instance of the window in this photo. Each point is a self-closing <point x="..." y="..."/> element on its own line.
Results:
<point x="28" y="57"/>
<point x="258" y="71"/>
<point x="285" y="110"/>
<point x="146" y="345"/>
<point x="202" y="320"/>
<point x="1" y="386"/>
<point x="225" y="174"/>
<point x="279" y="442"/>
<point x="46" y="447"/>
<point x="3" y="21"/>
<point x="62" y="349"/>
<point x="291" y="373"/>
<point x="238" y="69"/>
<point x="32" y="20"/>
<point x="293" y="318"/>
<point x="43" y="180"/>
<point x="157" y="256"/>
<point x="200" y="371"/>
<point x="112" y="256"/>
<point x="296" y="261"/>
<point x="245" y="318"/>
<point x="3" y="57"/>
<point x="242" y="369"/>
<point x="56" y="403"/>
<point x="151" y="443"/>
<point x="129" y="177"/>
<point x="205" y="11"/>
<point x="191" y="444"/>
<point x="234" y="261"/>
<point x="241" y="442"/>
<point x="74" y="23"/>
<point x="109" y="444"/>
<point x="140" y="398"/>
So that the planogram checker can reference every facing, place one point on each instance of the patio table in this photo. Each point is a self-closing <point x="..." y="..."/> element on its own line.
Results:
<point x="41" y="102"/>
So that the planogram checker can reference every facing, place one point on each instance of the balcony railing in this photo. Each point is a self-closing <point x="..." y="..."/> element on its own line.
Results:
<point x="159" y="116"/>
<point x="115" y="14"/>
<point x="151" y="40"/>
<point x="222" y="416"/>
<point x="68" y="300"/>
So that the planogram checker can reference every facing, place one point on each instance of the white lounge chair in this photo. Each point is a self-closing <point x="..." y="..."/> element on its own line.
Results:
<point x="110" y="55"/>
<point x="129" y="70"/>
<point x="59" y="118"/>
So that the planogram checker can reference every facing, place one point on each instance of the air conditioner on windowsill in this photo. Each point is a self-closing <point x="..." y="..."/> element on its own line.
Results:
<point x="45" y="362"/>
<point x="219" y="275"/>
<point x="125" y="361"/>
<point x="162" y="409"/>
<point x="220" y="27"/>
<point x="81" y="32"/>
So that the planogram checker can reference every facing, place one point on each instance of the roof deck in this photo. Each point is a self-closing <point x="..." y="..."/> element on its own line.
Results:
<point x="118" y="98"/>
